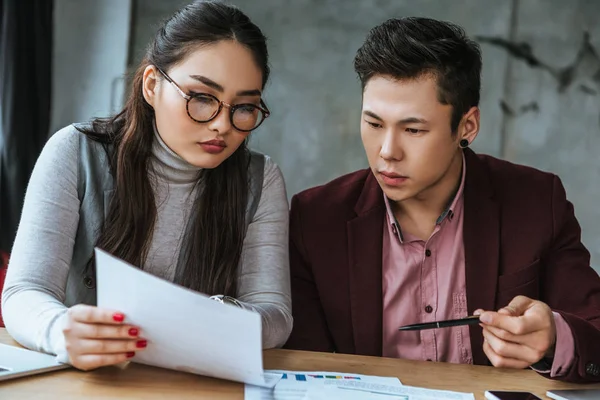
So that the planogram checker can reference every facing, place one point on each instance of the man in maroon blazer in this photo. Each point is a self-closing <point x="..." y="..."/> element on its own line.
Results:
<point x="433" y="231"/>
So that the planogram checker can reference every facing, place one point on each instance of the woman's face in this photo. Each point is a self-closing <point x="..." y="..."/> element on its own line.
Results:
<point x="224" y="71"/>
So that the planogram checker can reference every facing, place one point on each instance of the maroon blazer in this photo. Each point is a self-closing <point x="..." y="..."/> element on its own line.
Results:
<point x="521" y="237"/>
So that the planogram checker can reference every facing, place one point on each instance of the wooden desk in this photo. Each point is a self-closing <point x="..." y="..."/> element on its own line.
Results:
<point x="143" y="382"/>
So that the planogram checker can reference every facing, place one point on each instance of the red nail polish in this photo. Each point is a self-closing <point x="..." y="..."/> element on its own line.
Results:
<point x="133" y="332"/>
<point x="141" y="344"/>
<point x="130" y="354"/>
<point x="118" y="317"/>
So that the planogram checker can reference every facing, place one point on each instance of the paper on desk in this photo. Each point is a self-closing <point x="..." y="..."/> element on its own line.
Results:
<point x="332" y="393"/>
<point x="350" y="390"/>
<point x="295" y="384"/>
<point x="186" y="331"/>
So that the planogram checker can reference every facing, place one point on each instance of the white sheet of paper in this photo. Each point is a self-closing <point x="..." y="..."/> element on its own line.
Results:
<point x="186" y="331"/>
<point x="294" y="385"/>
<point x="346" y="390"/>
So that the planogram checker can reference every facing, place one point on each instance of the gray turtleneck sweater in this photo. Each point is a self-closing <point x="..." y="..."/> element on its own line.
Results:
<point x="34" y="291"/>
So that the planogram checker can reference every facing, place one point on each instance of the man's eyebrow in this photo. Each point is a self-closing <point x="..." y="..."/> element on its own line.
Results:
<point x="372" y="115"/>
<point x="412" y="120"/>
<point x="408" y="120"/>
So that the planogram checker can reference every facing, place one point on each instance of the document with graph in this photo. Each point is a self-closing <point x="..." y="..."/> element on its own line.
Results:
<point x="356" y="390"/>
<point x="294" y="385"/>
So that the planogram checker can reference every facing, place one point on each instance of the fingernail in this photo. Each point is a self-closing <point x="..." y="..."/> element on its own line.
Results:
<point x="140" y="344"/>
<point x="133" y="332"/>
<point x="485" y="318"/>
<point x="130" y="354"/>
<point x="118" y="317"/>
<point x="477" y="312"/>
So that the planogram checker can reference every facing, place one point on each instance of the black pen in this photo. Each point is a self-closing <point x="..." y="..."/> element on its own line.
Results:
<point x="471" y="320"/>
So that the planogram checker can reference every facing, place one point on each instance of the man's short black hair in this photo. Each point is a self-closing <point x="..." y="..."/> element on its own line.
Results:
<point x="409" y="48"/>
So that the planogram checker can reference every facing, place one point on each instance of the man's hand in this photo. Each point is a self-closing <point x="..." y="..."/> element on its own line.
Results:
<point x="519" y="334"/>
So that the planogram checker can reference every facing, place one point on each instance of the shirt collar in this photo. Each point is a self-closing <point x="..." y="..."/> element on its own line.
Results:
<point x="447" y="213"/>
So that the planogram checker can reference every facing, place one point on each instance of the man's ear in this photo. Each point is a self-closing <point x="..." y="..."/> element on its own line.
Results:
<point x="468" y="129"/>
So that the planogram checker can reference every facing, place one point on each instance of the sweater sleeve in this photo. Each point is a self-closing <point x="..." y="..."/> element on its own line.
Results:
<point x="34" y="292"/>
<point x="265" y="275"/>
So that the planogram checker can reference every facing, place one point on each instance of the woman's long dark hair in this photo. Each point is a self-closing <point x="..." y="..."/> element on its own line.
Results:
<point x="212" y="243"/>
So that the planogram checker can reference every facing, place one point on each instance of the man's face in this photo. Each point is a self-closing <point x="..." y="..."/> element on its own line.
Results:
<point x="407" y="136"/>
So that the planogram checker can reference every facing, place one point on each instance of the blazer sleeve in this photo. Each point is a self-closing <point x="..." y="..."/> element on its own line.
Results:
<point x="572" y="289"/>
<point x="310" y="331"/>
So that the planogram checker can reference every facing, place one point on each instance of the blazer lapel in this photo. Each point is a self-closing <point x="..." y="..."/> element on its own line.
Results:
<point x="365" y="241"/>
<point x="481" y="231"/>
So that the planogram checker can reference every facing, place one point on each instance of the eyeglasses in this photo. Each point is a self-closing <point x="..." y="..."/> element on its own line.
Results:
<point x="204" y="107"/>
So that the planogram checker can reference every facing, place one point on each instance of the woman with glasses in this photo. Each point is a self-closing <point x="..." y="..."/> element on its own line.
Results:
<point x="168" y="185"/>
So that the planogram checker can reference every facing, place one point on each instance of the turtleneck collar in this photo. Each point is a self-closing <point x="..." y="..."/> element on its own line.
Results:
<point x="170" y="166"/>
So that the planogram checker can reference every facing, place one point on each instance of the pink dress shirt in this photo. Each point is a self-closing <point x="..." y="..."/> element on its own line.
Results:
<point x="424" y="281"/>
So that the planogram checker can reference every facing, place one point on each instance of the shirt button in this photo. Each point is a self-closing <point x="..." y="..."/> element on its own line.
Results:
<point x="428" y="253"/>
<point x="88" y="282"/>
<point x="428" y="309"/>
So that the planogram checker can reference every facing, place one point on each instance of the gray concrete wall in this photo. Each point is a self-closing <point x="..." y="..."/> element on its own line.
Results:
<point x="527" y="117"/>
<point x="561" y="132"/>
<point x="91" y="43"/>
